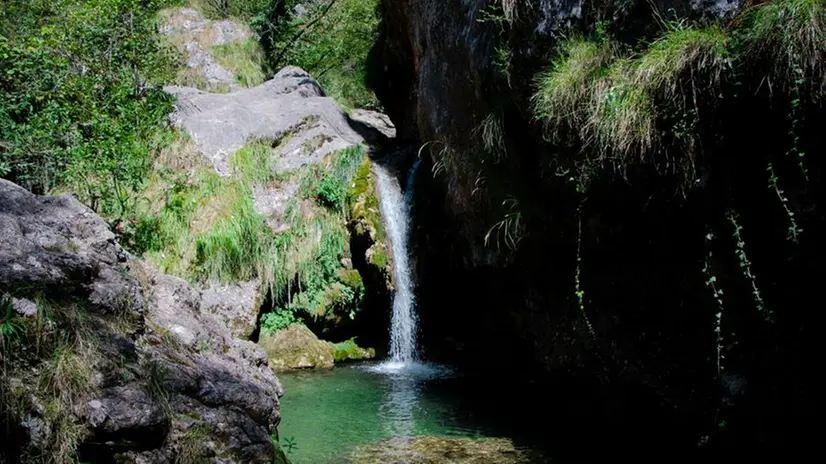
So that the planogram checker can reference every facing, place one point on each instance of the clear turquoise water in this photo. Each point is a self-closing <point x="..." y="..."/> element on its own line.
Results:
<point x="328" y="413"/>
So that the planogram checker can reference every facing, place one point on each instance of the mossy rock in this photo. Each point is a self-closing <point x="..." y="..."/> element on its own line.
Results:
<point x="444" y="450"/>
<point x="296" y="347"/>
<point x="363" y="201"/>
<point x="350" y="351"/>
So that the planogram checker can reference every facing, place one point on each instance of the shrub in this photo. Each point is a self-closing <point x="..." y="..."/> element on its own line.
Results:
<point x="80" y="102"/>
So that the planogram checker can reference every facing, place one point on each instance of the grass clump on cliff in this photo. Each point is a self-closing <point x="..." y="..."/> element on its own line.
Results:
<point x="565" y="92"/>
<point x="614" y="103"/>
<point x="238" y="247"/>
<point x="789" y="39"/>
<point x="50" y="372"/>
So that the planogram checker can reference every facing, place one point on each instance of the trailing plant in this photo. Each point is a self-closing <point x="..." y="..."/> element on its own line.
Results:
<point x="717" y="293"/>
<point x="579" y="292"/>
<point x="745" y="264"/>
<point x="794" y="230"/>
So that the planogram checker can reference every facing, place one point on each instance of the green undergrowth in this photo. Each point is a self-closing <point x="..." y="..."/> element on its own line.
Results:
<point x="316" y="279"/>
<point x="205" y="228"/>
<point x="245" y="58"/>
<point x="350" y="351"/>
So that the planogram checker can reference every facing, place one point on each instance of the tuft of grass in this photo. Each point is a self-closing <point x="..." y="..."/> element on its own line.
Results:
<point x="245" y="59"/>
<point x="64" y="434"/>
<point x="790" y="36"/>
<point x="239" y="247"/>
<point x="565" y="93"/>
<point x="493" y="136"/>
<point x="156" y="377"/>
<point x="510" y="229"/>
<point x="254" y="163"/>
<point x="622" y="120"/>
<point x="64" y="382"/>
<point x="192" y="448"/>
<point x="69" y="371"/>
<point x="686" y="62"/>
<point x="617" y="105"/>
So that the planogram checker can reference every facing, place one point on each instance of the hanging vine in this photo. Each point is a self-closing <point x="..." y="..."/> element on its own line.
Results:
<point x="711" y="283"/>
<point x="745" y="265"/>
<point x="794" y="230"/>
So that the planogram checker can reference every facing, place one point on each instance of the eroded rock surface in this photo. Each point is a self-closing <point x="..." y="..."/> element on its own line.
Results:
<point x="291" y="108"/>
<point x="127" y="360"/>
<point x="296" y="347"/>
<point x="194" y="35"/>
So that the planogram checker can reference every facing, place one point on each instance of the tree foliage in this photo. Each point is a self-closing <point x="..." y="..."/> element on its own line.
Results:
<point x="330" y="39"/>
<point x="80" y="101"/>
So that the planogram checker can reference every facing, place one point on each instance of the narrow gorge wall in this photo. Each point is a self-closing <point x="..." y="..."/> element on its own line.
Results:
<point x="618" y="284"/>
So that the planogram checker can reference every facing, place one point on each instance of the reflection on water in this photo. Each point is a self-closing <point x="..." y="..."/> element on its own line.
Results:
<point x="327" y="414"/>
<point x="400" y="399"/>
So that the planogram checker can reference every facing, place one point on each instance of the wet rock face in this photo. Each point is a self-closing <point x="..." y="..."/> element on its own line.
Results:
<point x="160" y="376"/>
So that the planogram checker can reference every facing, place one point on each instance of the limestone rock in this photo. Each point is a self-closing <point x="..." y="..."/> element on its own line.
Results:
<point x="237" y="305"/>
<point x="291" y="103"/>
<point x="195" y="36"/>
<point x="296" y="347"/>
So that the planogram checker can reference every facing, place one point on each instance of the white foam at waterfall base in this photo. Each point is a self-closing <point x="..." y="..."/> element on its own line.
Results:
<point x="395" y="209"/>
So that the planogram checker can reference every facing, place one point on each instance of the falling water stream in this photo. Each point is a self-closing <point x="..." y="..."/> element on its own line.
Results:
<point x="395" y="209"/>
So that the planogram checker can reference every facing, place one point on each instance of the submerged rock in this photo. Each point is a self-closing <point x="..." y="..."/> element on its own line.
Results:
<point x="444" y="450"/>
<point x="296" y="347"/>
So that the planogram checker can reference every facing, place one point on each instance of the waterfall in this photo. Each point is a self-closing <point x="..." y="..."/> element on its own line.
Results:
<point x="395" y="209"/>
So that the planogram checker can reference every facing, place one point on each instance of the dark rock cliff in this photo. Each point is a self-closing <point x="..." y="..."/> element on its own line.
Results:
<point x="642" y="348"/>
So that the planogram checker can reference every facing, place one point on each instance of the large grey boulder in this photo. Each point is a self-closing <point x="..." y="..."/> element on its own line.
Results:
<point x="162" y="379"/>
<point x="290" y="104"/>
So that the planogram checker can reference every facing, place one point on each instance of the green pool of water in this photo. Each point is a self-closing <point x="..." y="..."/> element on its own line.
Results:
<point x="326" y="414"/>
